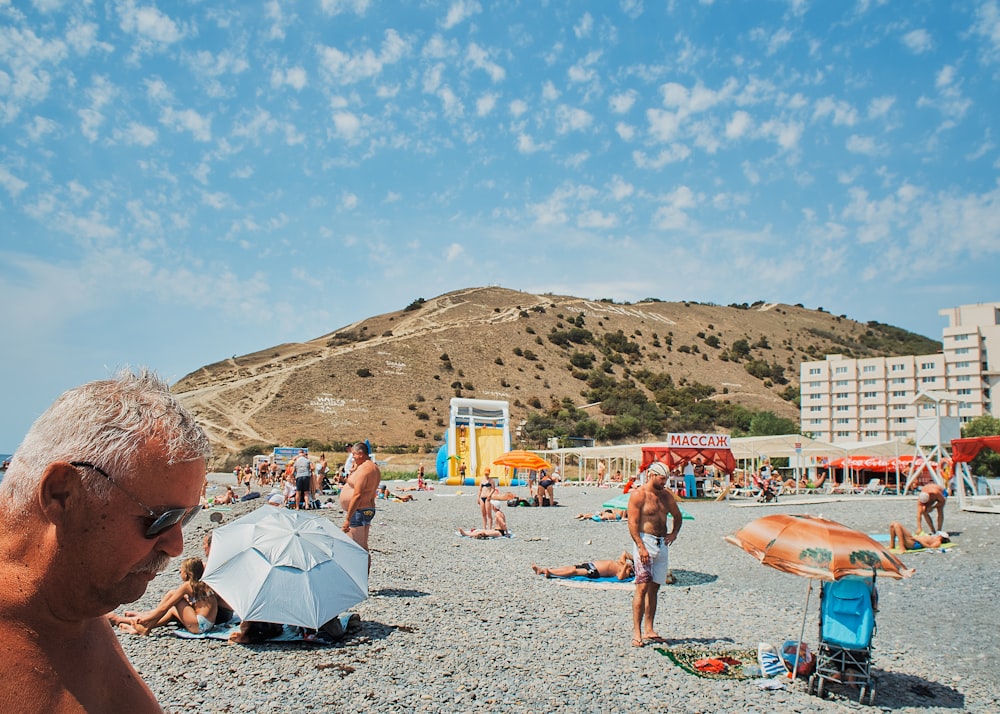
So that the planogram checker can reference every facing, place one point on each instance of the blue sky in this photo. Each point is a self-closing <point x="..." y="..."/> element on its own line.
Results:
<point x="185" y="181"/>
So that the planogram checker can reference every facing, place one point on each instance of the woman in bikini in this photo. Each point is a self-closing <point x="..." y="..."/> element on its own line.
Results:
<point x="194" y="605"/>
<point x="486" y="490"/>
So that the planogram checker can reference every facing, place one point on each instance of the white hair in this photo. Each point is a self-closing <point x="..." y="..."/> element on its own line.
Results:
<point x="107" y="423"/>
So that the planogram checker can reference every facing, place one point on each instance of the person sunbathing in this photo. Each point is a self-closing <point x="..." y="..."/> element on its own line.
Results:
<point x="608" y="514"/>
<point x="482" y="533"/>
<point x="620" y="568"/>
<point x="228" y="497"/>
<point x="193" y="604"/>
<point x="914" y="542"/>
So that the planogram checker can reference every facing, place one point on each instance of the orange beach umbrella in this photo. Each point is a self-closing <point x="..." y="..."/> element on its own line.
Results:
<point x="520" y="459"/>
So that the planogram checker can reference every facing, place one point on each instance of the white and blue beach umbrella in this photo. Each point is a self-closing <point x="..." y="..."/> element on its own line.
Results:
<point x="289" y="567"/>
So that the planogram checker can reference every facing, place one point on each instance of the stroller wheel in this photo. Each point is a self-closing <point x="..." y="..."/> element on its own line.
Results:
<point x="819" y="688"/>
<point x="811" y="687"/>
<point x="871" y="696"/>
<point x="861" y="695"/>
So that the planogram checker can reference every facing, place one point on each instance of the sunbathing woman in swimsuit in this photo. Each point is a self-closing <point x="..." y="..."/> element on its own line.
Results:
<point x="194" y="605"/>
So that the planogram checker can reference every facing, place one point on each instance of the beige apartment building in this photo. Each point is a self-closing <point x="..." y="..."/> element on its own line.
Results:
<point x="873" y="399"/>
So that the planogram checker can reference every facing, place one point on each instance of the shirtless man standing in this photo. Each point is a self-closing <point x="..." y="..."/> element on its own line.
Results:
<point x="648" y="507"/>
<point x="357" y="496"/>
<point x="930" y="498"/>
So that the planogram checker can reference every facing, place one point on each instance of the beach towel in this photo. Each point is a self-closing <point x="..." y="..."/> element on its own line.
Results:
<point x="711" y="662"/>
<point x="599" y="584"/>
<point x="288" y="634"/>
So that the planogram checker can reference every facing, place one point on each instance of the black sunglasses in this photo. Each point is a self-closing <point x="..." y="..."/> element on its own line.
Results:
<point x="159" y="522"/>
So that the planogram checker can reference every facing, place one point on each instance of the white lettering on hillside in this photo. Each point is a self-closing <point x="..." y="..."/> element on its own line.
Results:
<point x="626" y="310"/>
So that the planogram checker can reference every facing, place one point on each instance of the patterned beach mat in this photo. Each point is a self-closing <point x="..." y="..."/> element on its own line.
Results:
<point x="734" y="660"/>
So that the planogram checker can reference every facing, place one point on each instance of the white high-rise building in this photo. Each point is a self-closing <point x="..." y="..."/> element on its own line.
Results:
<point x="871" y="399"/>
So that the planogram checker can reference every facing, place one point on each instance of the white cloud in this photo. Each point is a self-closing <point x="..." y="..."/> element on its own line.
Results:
<point x="631" y="8"/>
<point x="620" y="189"/>
<point x="949" y="101"/>
<point x="584" y="26"/>
<point x="336" y="7"/>
<point x="880" y="106"/>
<point x="672" y="214"/>
<point x="527" y="145"/>
<point x="861" y="145"/>
<point x="843" y="113"/>
<point x="518" y="107"/>
<point x="778" y="40"/>
<point x="347" y="68"/>
<point x="787" y="134"/>
<point x="346" y="125"/>
<point x="671" y="155"/>
<point x="486" y="104"/>
<point x="136" y="134"/>
<point x="349" y="201"/>
<point x="625" y="131"/>
<point x="987" y="26"/>
<point x="572" y="119"/>
<point x="583" y="70"/>
<point x="149" y="24"/>
<point x="480" y="59"/>
<point x="596" y="219"/>
<point x="12" y="183"/>
<point x="738" y="125"/>
<point x="918" y="41"/>
<point x="621" y="102"/>
<point x="549" y="91"/>
<point x="459" y="12"/>
<point x="663" y="125"/>
<point x="40" y="127"/>
<point x="294" y="77"/>
<point x="188" y="120"/>
<point x="453" y="253"/>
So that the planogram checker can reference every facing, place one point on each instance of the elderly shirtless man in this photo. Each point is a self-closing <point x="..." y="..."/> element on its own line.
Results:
<point x="931" y="498"/>
<point x="91" y="510"/>
<point x="357" y="496"/>
<point x="648" y="507"/>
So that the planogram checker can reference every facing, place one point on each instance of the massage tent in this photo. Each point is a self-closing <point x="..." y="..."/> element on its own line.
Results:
<point x="681" y="449"/>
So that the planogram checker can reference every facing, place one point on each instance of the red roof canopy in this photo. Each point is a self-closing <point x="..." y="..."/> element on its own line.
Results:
<point x="963" y="450"/>
<point x="677" y="457"/>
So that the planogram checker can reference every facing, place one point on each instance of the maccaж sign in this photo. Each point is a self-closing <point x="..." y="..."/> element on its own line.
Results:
<point x="698" y="441"/>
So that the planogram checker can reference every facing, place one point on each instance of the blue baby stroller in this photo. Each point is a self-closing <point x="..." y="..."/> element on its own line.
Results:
<point x="846" y="626"/>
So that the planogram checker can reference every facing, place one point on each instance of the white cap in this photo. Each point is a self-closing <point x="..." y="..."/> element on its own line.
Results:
<point x="923" y="497"/>
<point x="658" y="468"/>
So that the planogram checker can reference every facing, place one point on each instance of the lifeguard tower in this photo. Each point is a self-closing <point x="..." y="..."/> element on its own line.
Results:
<point x="933" y="438"/>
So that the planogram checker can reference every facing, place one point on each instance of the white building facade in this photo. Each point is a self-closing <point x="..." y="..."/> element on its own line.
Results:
<point x="871" y="399"/>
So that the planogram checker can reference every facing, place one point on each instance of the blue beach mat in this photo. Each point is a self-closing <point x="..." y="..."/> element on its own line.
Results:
<point x="608" y="579"/>
<point x="288" y="634"/>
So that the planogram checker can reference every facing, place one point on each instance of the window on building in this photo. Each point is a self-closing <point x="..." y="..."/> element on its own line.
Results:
<point x="868" y="368"/>
<point x="869" y="382"/>
<point x="814" y="370"/>
<point x="841" y="383"/>
<point x="898" y="367"/>
<point x="840" y="395"/>
<point x="870" y="407"/>
<point x="898" y="380"/>
<point x="870" y="434"/>
<point x="928" y="380"/>
<point x="814" y="396"/>
<point x="963" y="378"/>
<point x="840" y="370"/>
<point x="960" y="338"/>
<point x="899" y="393"/>
<point x="843" y="434"/>
<point x="842" y="408"/>
<point x="964" y="392"/>
<point x="899" y="420"/>
<point x="963" y="365"/>
<point x="869" y="395"/>
<point x="962" y="351"/>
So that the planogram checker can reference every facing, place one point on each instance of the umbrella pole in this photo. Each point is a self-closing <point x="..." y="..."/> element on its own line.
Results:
<point x="798" y="645"/>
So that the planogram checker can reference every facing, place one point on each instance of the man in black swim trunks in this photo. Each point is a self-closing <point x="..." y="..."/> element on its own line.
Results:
<point x="621" y="569"/>
<point x="357" y="496"/>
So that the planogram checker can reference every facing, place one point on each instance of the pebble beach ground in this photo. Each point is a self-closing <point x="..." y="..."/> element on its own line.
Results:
<point x="461" y="625"/>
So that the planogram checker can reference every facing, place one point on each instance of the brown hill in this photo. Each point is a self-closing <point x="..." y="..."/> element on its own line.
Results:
<point x="389" y="378"/>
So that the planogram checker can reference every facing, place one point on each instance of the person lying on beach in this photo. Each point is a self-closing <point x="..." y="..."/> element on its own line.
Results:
<point x="252" y="631"/>
<point x="482" y="533"/>
<point x="228" y="497"/>
<point x="385" y="493"/>
<point x="914" y="542"/>
<point x="193" y="604"/>
<point x="621" y="569"/>
<point x="499" y="519"/>
<point x="608" y="514"/>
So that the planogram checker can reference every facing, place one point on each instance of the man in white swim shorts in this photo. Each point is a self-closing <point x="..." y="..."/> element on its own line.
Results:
<point x="648" y="508"/>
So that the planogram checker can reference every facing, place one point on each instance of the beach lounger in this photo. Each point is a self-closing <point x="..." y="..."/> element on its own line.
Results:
<point x="875" y="486"/>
